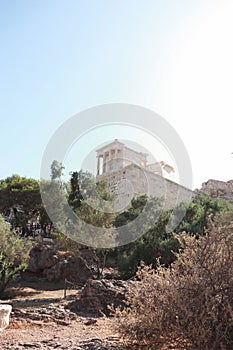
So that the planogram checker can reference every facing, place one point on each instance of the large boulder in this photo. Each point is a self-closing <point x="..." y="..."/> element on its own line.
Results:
<point x="97" y="295"/>
<point x="42" y="257"/>
<point x="55" y="265"/>
<point x="74" y="269"/>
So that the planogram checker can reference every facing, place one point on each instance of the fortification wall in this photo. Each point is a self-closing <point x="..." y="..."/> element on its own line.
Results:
<point x="133" y="180"/>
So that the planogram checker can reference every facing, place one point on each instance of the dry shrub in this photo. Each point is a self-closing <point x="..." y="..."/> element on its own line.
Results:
<point x="191" y="302"/>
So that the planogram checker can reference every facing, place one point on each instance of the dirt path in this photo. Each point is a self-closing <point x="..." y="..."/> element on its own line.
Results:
<point x="40" y="320"/>
<point x="78" y="333"/>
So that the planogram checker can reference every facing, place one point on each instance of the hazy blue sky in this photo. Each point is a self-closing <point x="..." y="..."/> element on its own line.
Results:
<point x="61" y="57"/>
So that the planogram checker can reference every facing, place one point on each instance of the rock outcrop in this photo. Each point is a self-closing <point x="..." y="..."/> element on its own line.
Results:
<point x="42" y="257"/>
<point x="51" y="313"/>
<point x="46" y="261"/>
<point x="74" y="269"/>
<point x="216" y="188"/>
<point x="97" y="295"/>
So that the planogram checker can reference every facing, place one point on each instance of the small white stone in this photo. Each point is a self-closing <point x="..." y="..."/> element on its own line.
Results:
<point x="5" y="311"/>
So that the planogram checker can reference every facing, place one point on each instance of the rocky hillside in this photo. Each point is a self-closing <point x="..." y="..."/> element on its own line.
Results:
<point x="216" y="188"/>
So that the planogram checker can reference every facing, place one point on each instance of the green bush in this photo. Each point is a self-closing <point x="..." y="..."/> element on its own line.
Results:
<point x="159" y="242"/>
<point x="14" y="254"/>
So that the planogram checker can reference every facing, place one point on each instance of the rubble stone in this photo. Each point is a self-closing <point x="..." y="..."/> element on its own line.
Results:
<point x="52" y="313"/>
<point x="73" y="269"/>
<point x="97" y="295"/>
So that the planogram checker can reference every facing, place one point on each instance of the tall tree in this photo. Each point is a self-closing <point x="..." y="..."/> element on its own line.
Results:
<point x="75" y="196"/>
<point x="90" y="202"/>
<point x="56" y="170"/>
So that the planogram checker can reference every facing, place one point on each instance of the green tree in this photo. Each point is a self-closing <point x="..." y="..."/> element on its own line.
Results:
<point x="75" y="197"/>
<point x="56" y="170"/>
<point x="91" y="204"/>
<point x="87" y="198"/>
<point x="14" y="254"/>
<point x="136" y="207"/>
<point x="54" y="202"/>
<point x="156" y="242"/>
<point x="20" y="196"/>
<point x="198" y="212"/>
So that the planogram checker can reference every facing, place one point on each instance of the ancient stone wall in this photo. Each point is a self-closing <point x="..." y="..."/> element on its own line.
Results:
<point x="133" y="181"/>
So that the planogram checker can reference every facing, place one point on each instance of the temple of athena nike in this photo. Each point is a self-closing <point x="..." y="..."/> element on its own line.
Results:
<point x="128" y="174"/>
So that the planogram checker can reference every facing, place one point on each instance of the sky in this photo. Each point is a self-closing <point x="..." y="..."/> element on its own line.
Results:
<point x="61" y="57"/>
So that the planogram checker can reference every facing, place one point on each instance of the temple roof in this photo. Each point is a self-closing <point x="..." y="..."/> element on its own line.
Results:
<point x="115" y="143"/>
<point x="118" y="144"/>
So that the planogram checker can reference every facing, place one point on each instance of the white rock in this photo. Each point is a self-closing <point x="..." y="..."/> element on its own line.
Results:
<point x="5" y="311"/>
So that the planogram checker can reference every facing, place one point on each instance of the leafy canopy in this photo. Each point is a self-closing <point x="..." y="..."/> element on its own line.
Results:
<point x="14" y="254"/>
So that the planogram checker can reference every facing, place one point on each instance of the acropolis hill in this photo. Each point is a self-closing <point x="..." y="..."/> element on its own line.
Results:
<point x="128" y="174"/>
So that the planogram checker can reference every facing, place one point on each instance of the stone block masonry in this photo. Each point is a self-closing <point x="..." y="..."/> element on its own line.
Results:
<point x="133" y="181"/>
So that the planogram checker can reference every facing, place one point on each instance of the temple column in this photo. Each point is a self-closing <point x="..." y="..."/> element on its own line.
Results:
<point x="110" y="160"/>
<point x="115" y="166"/>
<point x="98" y="165"/>
<point x="104" y="162"/>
